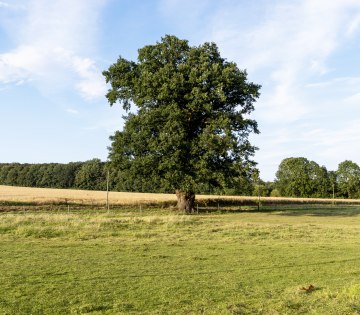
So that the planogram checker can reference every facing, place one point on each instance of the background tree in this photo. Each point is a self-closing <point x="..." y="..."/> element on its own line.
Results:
<point x="333" y="183"/>
<point x="299" y="177"/>
<point x="192" y="122"/>
<point x="31" y="176"/>
<point x="91" y="175"/>
<point x="4" y="170"/>
<point x="348" y="179"/>
<point x="12" y="177"/>
<point x="320" y="182"/>
<point x="54" y="175"/>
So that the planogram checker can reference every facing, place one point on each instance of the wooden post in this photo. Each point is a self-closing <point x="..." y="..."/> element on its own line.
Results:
<point x="259" y="194"/>
<point x="107" y="191"/>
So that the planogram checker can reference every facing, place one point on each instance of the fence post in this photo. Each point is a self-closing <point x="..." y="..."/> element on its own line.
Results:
<point x="107" y="191"/>
<point x="259" y="194"/>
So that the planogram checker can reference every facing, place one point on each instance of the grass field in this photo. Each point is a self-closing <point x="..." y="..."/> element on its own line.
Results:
<point x="158" y="262"/>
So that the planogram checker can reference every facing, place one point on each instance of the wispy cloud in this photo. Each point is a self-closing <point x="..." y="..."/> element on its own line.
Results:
<point x="92" y="84"/>
<point x="341" y="81"/>
<point x="52" y="42"/>
<point x="335" y="144"/>
<point x="290" y="45"/>
<point x="353" y="25"/>
<point x="72" y="111"/>
<point x="353" y="99"/>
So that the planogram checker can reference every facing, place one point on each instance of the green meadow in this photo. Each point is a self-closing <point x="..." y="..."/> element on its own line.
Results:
<point x="161" y="262"/>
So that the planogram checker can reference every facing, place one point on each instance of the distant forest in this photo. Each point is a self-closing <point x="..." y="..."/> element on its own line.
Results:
<point x="82" y="175"/>
<point x="296" y="177"/>
<point x="92" y="175"/>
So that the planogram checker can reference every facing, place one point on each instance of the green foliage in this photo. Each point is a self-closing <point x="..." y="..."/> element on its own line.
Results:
<point x="191" y="128"/>
<point x="91" y="175"/>
<point x="261" y="188"/>
<point x="52" y="175"/>
<point x="299" y="177"/>
<point x="348" y="179"/>
<point x="275" y="193"/>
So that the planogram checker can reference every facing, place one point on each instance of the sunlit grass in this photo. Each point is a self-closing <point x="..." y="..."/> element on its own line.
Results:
<point x="127" y="262"/>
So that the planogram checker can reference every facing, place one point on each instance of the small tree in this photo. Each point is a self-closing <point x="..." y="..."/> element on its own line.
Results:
<point x="192" y="124"/>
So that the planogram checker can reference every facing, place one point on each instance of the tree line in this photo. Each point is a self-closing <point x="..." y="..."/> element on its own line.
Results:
<point x="82" y="175"/>
<point x="296" y="177"/>
<point x="300" y="177"/>
<point x="92" y="175"/>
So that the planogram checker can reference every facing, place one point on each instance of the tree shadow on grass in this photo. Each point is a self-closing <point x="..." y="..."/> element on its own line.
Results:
<point x="288" y="210"/>
<point x="331" y="211"/>
<point x="291" y="207"/>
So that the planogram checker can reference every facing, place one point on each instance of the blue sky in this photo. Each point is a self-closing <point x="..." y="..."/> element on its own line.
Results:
<point x="305" y="54"/>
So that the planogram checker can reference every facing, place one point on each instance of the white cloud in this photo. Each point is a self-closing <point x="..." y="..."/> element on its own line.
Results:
<point x="53" y="39"/>
<point x="333" y="83"/>
<point x="335" y="144"/>
<point x="20" y="64"/>
<point x="334" y="136"/>
<point x="353" y="99"/>
<point x="72" y="111"/>
<point x="290" y="45"/>
<point x="92" y="84"/>
<point x="4" y="4"/>
<point x="353" y="26"/>
<point x="318" y="66"/>
<point x="52" y="69"/>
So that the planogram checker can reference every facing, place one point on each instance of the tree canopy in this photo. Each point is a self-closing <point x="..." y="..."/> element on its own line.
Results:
<point x="348" y="179"/>
<point x="299" y="177"/>
<point x="192" y="122"/>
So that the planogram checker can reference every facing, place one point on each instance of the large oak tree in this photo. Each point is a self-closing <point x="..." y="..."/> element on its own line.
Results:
<point x="192" y="121"/>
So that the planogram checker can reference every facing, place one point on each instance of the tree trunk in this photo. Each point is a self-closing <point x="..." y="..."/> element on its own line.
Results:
<point x="185" y="201"/>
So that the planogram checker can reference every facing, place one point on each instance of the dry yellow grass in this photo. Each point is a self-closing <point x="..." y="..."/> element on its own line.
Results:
<point x="49" y="195"/>
<point x="45" y="195"/>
